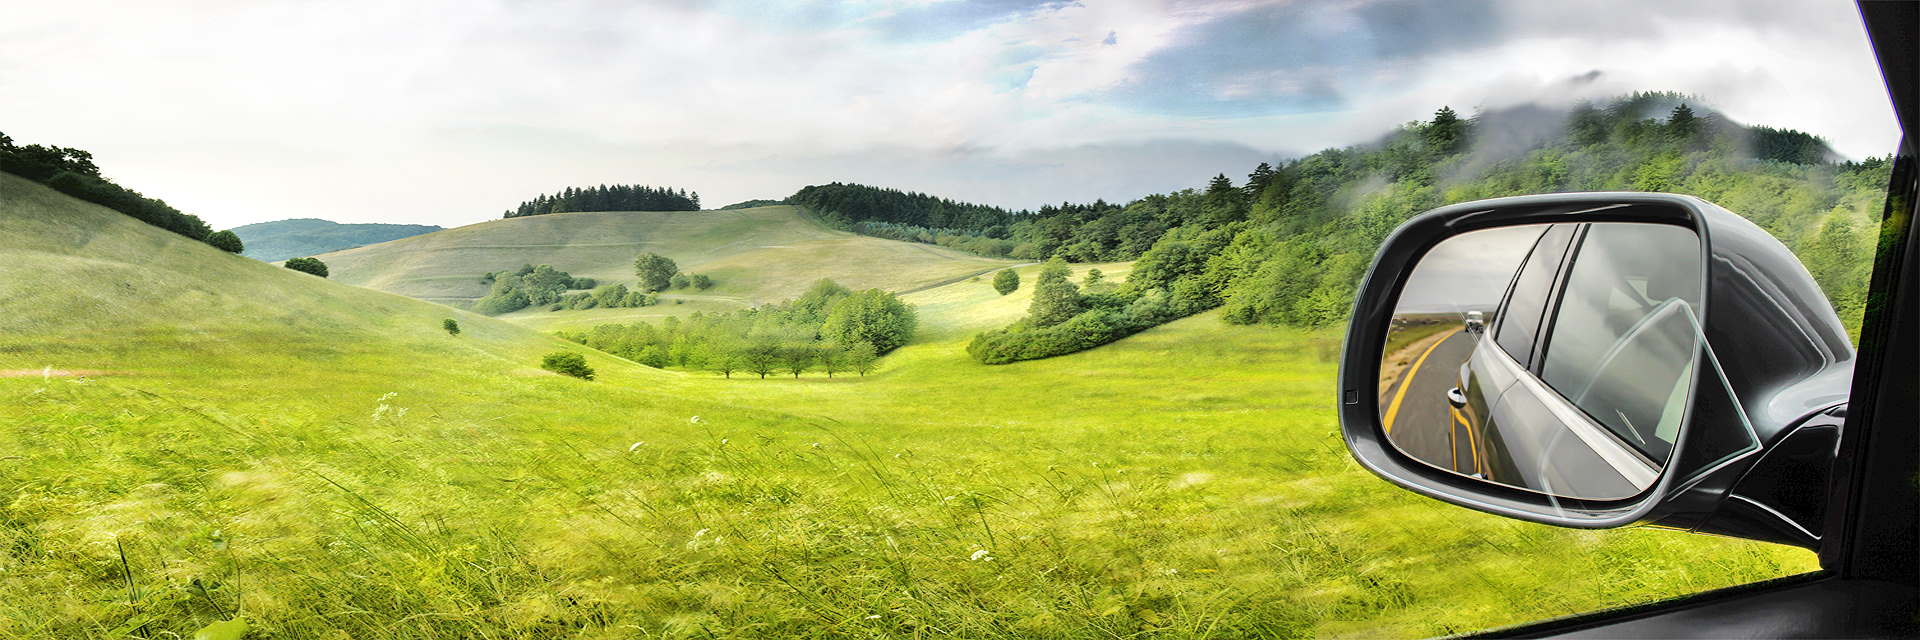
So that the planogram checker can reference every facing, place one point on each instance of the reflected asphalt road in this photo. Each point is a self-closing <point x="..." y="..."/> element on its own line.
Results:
<point x="1416" y="410"/>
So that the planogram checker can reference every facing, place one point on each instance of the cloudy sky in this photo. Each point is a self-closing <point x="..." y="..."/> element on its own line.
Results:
<point x="448" y="112"/>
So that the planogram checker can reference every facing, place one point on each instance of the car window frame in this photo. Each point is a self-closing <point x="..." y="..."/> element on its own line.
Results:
<point x="1548" y="304"/>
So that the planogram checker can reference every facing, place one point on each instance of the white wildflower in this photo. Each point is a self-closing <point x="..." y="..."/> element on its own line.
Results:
<point x="695" y="420"/>
<point x="636" y="446"/>
<point x="981" y="556"/>
<point x="874" y="617"/>
<point x="725" y="440"/>
<point x="816" y="445"/>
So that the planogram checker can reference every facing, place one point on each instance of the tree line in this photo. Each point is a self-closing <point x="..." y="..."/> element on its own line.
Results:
<point x="829" y="328"/>
<point x="619" y="197"/>
<point x="1288" y="245"/>
<point x="72" y="171"/>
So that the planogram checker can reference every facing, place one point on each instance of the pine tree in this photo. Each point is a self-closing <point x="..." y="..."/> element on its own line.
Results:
<point x="1447" y="133"/>
<point x="1258" y="180"/>
<point x="1683" y="126"/>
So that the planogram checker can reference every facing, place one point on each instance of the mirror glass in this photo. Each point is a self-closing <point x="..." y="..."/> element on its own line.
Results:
<point x="1558" y="358"/>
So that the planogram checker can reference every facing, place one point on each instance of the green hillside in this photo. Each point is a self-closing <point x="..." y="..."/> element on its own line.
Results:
<point x="301" y="237"/>
<point x="754" y="255"/>
<point x="192" y="436"/>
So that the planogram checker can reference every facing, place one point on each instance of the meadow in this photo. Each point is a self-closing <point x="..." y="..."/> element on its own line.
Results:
<point x="755" y="255"/>
<point x="191" y="436"/>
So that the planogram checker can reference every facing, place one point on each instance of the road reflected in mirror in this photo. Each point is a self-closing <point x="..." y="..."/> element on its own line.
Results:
<point x="1555" y="358"/>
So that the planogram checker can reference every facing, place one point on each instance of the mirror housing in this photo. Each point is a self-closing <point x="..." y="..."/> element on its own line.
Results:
<point x="1758" y="435"/>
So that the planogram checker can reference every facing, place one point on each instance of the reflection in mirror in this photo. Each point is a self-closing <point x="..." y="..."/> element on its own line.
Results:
<point x="1555" y="358"/>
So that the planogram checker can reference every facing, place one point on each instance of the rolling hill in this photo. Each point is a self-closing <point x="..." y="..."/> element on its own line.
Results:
<point x="193" y="436"/>
<point x="301" y="237"/>
<point x="755" y="255"/>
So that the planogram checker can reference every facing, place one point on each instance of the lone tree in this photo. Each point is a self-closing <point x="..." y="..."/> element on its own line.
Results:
<point x="1054" y="298"/>
<point x="861" y="357"/>
<point x="656" y="271"/>
<point x="226" y="241"/>
<point x="762" y="358"/>
<point x="1006" y="281"/>
<point x="567" y="363"/>
<point x="1093" y="279"/>
<point x="833" y="358"/>
<point x="723" y="359"/>
<point x="873" y="316"/>
<point x="308" y="265"/>
<point x="452" y="327"/>
<point x="797" y="358"/>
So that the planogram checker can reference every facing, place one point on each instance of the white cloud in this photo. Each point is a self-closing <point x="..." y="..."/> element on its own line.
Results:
<point x="449" y="111"/>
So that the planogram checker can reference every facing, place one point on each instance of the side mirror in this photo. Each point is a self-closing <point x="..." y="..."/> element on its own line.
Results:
<point x="1597" y="360"/>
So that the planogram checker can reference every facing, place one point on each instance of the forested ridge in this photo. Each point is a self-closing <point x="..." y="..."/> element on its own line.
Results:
<point x="1288" y="243"/>
<point x="72" y="171"/>
<point x="619" y="197"/>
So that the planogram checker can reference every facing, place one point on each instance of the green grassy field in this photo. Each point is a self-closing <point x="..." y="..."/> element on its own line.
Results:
<point x="755" y="256"/>
<point x="190" y="436"/>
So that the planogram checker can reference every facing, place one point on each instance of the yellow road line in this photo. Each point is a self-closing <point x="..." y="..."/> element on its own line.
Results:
<point x="1453" y="447"/>
<point x="1406" y="380"/>
<point x="1472" y="449"/>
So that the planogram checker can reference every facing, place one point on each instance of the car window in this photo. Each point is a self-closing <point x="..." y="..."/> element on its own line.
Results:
<point x="1520" y="319"/>
<point x="1622" y="341"/>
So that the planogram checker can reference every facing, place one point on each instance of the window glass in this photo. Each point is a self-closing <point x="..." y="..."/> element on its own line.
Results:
<point x="1520" y="320"/>
<point x="1621" y="344"/>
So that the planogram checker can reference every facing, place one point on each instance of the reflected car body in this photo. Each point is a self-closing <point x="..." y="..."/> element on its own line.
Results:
<point x="1624" y="353"/>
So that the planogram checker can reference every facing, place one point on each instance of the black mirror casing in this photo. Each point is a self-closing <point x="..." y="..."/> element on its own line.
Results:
<point x="1775" y="345"/>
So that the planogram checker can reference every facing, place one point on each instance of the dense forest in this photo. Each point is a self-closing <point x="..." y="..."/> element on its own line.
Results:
<point x="1288" y="244"/>
<point x="72" y="172"/>
<point x="829" y="328"/>
<point x="619" y="197"/>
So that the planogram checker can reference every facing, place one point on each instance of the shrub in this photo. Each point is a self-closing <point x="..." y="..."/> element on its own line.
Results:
<point x="452" y="327"/>
<point x="702" y="282"/>
<point x="1006" y="281"/>
<point x="226" y="241"/>
<point x="679" y="281"/>
<point x="567" y="363"/>
<point x="306" y="265"/>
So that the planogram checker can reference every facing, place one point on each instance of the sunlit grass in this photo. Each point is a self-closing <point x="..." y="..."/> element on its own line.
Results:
<point x="1185" y="482"/>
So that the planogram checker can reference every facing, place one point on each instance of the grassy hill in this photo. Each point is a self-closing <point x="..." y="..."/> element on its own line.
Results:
<point x="191" y="436"/>
<point x="301" y="237"/>
<point x="755" y="255"/>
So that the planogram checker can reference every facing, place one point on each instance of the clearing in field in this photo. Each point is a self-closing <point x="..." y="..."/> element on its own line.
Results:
<point x="324" y="461"/>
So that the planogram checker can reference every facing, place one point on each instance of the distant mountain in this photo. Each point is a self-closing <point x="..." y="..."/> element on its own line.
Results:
<point x="302" y="237"/>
